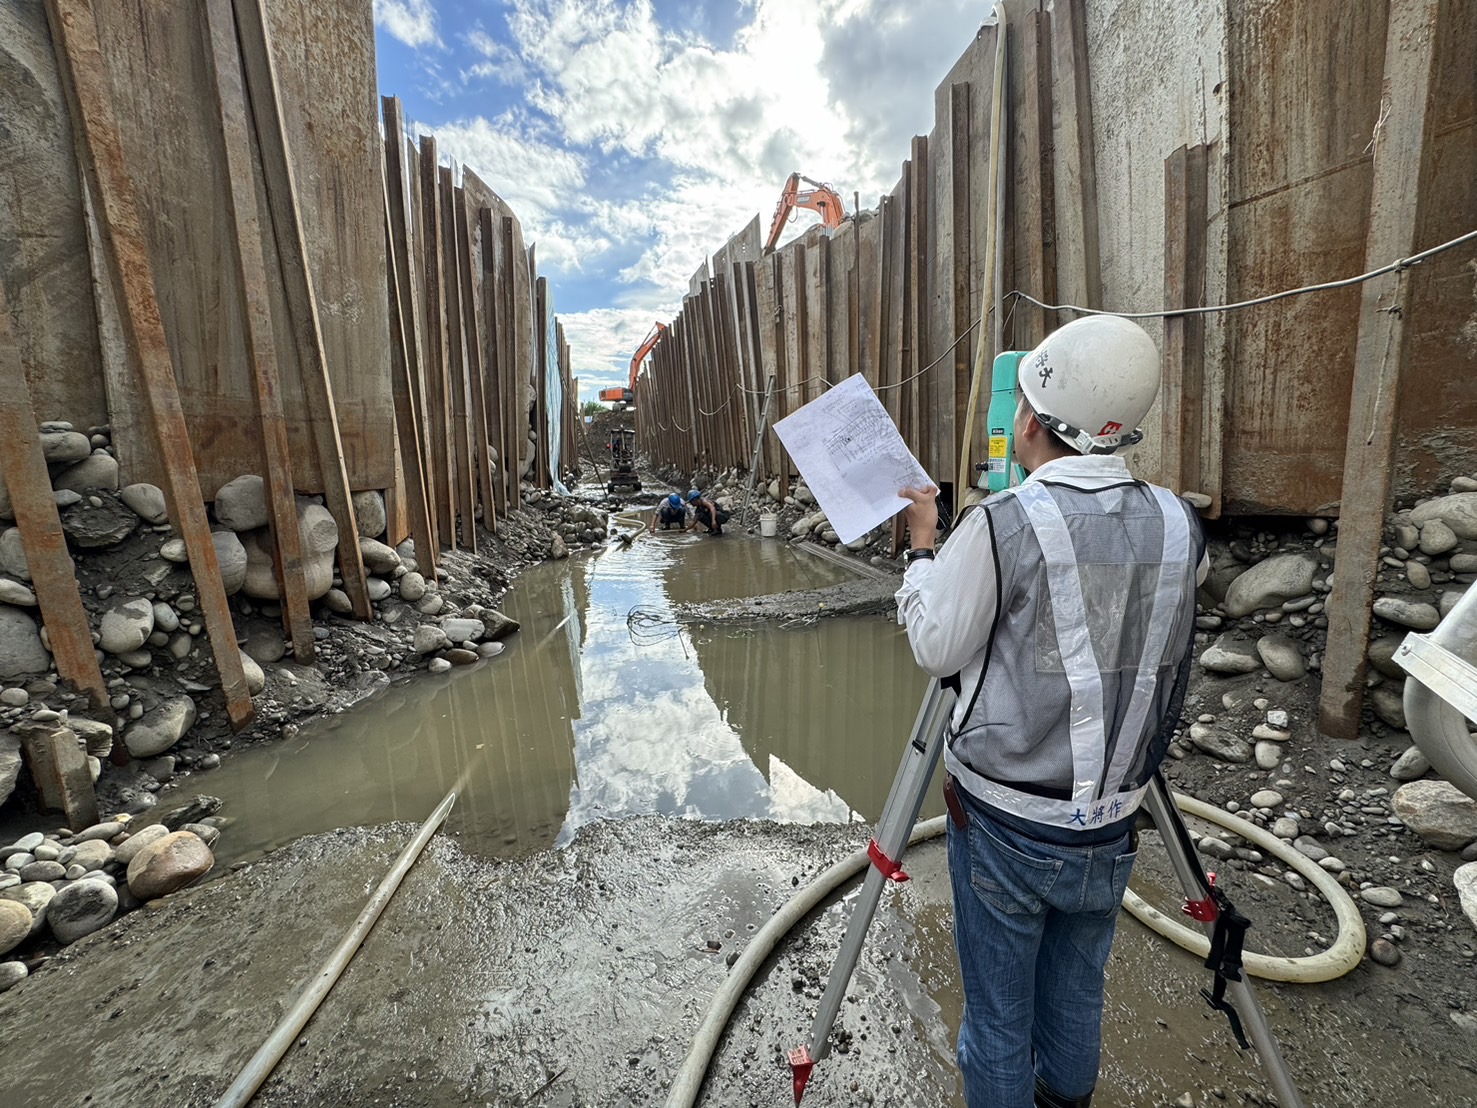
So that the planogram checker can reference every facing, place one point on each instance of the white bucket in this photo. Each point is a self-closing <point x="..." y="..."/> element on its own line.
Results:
<point x="769" y="525"/>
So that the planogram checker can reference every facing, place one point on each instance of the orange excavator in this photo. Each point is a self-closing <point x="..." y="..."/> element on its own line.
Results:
<point x="818" y="198"/>
<point x="624" y="398"/>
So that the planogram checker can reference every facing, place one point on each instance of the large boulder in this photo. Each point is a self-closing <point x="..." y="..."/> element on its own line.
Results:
<point x="10" y="765"/>
<point x="64" y="447"/>
<point x="1465" y="879"/>
<point x="15" y="924"/>
<point x="1231" y="655"/>
<point x="241" y="504"/>
<point x="80" y="908"/>
<point x="1271" y="583"/>
<point x="168" y="864"/>
<point x="496" y="625"/>
<point x="96" y="471"/>
<point x="1458" y="512"/>
<point x="1407" y="613"/>
<point x="1437" y="811"/>
<point x="128" y="849"/>
<point x="13" y="555"/>
<point x="378" y="558"/>
<point x="319" y="531"/>
<point x="231" y="555"/>
<point x="126" y="625"/>
<point x="161" y="728"/>
<point x="319" y="536"/>
<point x="21" y="650"/>
<point x="147" y="502"/>
<point x="1282" y="657"/>
<point x="369" y="514"/>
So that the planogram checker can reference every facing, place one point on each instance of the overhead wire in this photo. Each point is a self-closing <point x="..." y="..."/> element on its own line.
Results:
<point x="1209" y="309"/>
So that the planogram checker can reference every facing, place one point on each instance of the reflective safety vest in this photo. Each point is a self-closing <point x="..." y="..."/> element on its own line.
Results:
<point x="1087" y="661"/>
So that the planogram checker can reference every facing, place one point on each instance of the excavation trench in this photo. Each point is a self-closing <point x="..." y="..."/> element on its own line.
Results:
<point x="643" y="792"/>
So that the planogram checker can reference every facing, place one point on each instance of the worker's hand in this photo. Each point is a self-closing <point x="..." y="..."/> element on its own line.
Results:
<point x="921" y="516"/>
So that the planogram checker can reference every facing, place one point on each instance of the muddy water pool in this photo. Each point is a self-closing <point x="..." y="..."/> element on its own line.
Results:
<point x="603" y="707"/>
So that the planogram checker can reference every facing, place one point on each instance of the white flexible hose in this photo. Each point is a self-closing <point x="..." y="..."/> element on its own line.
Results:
<point x="1342" y="956"/>
<point x="690" y="1077"/>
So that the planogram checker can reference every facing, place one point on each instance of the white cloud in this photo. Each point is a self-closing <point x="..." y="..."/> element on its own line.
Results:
<point x="638" y="150"/>
<point x="413" y="22"/>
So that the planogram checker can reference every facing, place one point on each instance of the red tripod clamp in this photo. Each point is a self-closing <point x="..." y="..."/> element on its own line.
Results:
<point x="891" y="870"/>
<point x="1205" y="909"/>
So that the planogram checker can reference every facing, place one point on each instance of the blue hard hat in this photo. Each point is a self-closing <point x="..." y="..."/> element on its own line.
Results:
<point x="693" y="494"/>
<point x="675" y="500"/>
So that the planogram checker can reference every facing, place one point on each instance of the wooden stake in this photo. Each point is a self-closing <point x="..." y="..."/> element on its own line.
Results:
<point x="1400" y="148"/>
<point x="85" y="76"/>
<point x="261" y="349"/>
<point x="438" y="412"/>
<point x="1182" y="397"/>
<point x="297" y="285"/>
<point x="465" y="486"/>
<point x="481" y="463"/>
<point x="1079" y="222"/>
<point x="404" y="353"/>
<point x="29" y="483"/>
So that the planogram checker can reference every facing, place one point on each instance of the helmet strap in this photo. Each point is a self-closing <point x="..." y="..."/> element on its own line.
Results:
<point x="1084" y="443"/>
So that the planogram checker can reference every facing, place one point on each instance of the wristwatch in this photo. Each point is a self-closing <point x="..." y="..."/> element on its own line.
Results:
<point x="914" y="555"/>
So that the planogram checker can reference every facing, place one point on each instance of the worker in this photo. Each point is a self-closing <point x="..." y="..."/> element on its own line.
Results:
<point x="672" y="510"/>
<point x="706" y="512"/>
<point x="1064" y="611"/>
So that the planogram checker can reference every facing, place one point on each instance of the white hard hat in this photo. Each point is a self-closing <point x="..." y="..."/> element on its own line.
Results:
<point x="1092" y="381"/>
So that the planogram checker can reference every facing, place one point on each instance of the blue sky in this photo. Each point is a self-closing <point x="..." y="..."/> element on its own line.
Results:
<point x="632" y="138"/>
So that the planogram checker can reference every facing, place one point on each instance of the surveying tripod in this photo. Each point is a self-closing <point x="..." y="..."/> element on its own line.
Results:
<point x="1230" y="994"/>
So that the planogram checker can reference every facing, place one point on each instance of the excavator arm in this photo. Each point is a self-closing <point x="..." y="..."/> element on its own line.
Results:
<point x="818" y="198"/>
<point x="626" y="397"/>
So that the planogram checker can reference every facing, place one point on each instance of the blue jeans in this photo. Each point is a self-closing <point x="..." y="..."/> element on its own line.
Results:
<point x="1033" y="923"/>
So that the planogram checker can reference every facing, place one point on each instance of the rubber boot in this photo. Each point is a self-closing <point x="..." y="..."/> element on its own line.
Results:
<point x="1047" y="1097"/>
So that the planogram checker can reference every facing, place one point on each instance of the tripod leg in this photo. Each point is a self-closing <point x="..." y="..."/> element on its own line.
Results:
<point x="1199" y="893"/>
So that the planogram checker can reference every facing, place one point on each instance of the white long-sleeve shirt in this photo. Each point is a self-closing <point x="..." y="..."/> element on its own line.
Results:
<point x="948" y="603"/>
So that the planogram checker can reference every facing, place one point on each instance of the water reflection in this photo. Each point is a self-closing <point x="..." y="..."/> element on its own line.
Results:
<point x="582" y="720"/>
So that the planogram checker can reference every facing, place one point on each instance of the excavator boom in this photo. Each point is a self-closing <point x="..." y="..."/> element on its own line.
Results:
<point x="818" y="198"/>
<point x="626" y="397"/>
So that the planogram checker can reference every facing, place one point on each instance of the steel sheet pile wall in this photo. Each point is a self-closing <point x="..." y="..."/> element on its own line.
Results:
<point x="1151" y="164"/>
<point x="193" y="233"/>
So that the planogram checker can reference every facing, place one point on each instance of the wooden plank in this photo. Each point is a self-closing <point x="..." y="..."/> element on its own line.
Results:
<point x="1182" y="392"/>
<point x="302" y="303"/>
<point x="492" y="354"/>
<point x="509" y="253"/>
<point x="261" y="350"/>
<point x="464" y="482"/>
<point x="1037" y="200"/>
<point x="442" y="473"/>
<point x="1078" y="218"/>
<point x="1400" y="161"/>
<point x="541" y="379"/>
<point x="404" y="345"/>
<point x="85" y="75"/>
<point x="421" y="370"/>
<point x="958" y="258"/>
<point x="29" y="484"/>
<point x="922" y="415"/>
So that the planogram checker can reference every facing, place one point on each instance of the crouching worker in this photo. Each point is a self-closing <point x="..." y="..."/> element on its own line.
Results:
<point x="671" y="511"/>
<point x="707" y="512"/>
<point x="1066" y="608"/>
